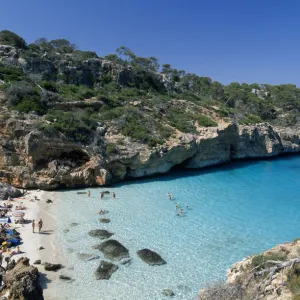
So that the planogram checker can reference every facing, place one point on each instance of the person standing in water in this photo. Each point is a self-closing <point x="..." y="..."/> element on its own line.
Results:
<point x="101" y="195"/>
<point x="40" y="225"/>
<point x="114" y="195"/>
<point x="170" y="196"/>
<point x="89" y="193"/>
<point x="176" y="206"/>
<point x="33" y="226"/>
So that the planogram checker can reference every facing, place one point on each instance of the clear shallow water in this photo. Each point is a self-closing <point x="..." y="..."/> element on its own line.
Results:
<point x="233" y="212"/>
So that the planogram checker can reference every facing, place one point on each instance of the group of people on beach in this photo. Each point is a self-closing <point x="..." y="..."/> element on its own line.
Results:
<point x="40" y="225"/>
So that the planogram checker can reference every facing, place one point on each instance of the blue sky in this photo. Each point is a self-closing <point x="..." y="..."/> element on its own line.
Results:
<point x="227" y="40"/>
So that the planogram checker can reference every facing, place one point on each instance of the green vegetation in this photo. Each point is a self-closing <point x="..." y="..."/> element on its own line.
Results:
<point x="111" y="148"/>
<point x="251" y="119"/>
<point x="77" y="127"/>
<point x="293" y="282"/>
<point x="206" y="121"/>
<point x="11" y="39"/>
<point x="259" y="261"/>
<point x="144" y="100"/>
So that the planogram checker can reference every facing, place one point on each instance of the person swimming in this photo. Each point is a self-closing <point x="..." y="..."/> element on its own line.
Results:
<point x="176" y="206"/>
<point x="101" y="212"/>
<point x="170" y="196"/>
<point x="180" y="212"/>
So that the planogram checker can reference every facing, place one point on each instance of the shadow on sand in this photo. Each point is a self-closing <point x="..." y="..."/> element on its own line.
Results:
<point x="44" y="280"/>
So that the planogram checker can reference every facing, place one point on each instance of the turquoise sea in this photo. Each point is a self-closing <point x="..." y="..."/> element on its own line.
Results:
<point x="233" y="211"/>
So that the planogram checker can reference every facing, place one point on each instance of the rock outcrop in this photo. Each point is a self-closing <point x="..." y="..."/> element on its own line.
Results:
<point x="32" y="159"/>
<point x="273" y="274"/>
<point x="22" y="281"/>
<point x="7" y="190"/>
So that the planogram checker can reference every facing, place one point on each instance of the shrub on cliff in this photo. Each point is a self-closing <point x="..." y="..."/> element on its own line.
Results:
<point x="25" y="98"/>
<point x="9" y="38"/>
<point x="206" y="121"/>
<point x="251" y="119"/>
<point x="11" y="74"/>
<point x="75" y="126"/>
<point x="259" y="261"/>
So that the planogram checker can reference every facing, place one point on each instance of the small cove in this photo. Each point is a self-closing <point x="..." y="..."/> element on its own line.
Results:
<point x="233" y="211"/>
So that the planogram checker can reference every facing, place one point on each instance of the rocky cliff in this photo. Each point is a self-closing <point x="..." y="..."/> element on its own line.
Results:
<point x="30" y="158"/>
<point x="273" y="274"/>
<point x="69" y="118"/>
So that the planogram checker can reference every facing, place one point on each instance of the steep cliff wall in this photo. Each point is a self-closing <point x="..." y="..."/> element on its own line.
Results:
<point x="32" y="159"/>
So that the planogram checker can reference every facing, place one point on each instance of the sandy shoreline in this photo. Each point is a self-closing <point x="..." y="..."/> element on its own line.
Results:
<point x="47" y="238"/>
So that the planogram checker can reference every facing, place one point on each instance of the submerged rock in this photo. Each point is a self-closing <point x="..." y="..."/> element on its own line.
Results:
<point x="100" y="233"/>
<point x="37" y="262"/>
<point x="113" y="250"/>
<point x="84" y="256"/>
<point x="104" y="220"/>
<point x="126" y="261"/>
<point x="52" y="267"/>
<point x="87" y="256"/>
<point x="64" y="277"/>
<point x="168" y="293"/>
<point x="73" y="224"/>
<point x="105" y="270"/>
<point x="150" y="257"/>
<point x="66" y="230"/>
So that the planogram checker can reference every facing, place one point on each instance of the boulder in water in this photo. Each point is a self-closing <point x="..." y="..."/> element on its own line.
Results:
<point x="113" y="250"/>
<point x="150" y="257"/>
<point x="64" y="277"/>
<point x="105" y="270"/>
<point x="52" y="267"/>
<point x="100" y="233"/>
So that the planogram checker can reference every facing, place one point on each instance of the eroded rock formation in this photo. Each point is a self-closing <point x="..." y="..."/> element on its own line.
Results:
<point x="32" y="159"/>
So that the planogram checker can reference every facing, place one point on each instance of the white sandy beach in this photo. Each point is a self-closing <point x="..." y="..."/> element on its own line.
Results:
<point x="32" y="241"/>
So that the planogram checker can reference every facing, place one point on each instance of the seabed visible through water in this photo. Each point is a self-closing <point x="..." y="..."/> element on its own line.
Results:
<point x="229" y="213"/>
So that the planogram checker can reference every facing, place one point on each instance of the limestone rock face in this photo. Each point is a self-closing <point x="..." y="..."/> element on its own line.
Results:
<point x="33" y="159"/>
<point x="22" y="281"/>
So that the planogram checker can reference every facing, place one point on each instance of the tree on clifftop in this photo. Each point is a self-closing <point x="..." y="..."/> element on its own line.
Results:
<point x="9" y="38"/>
